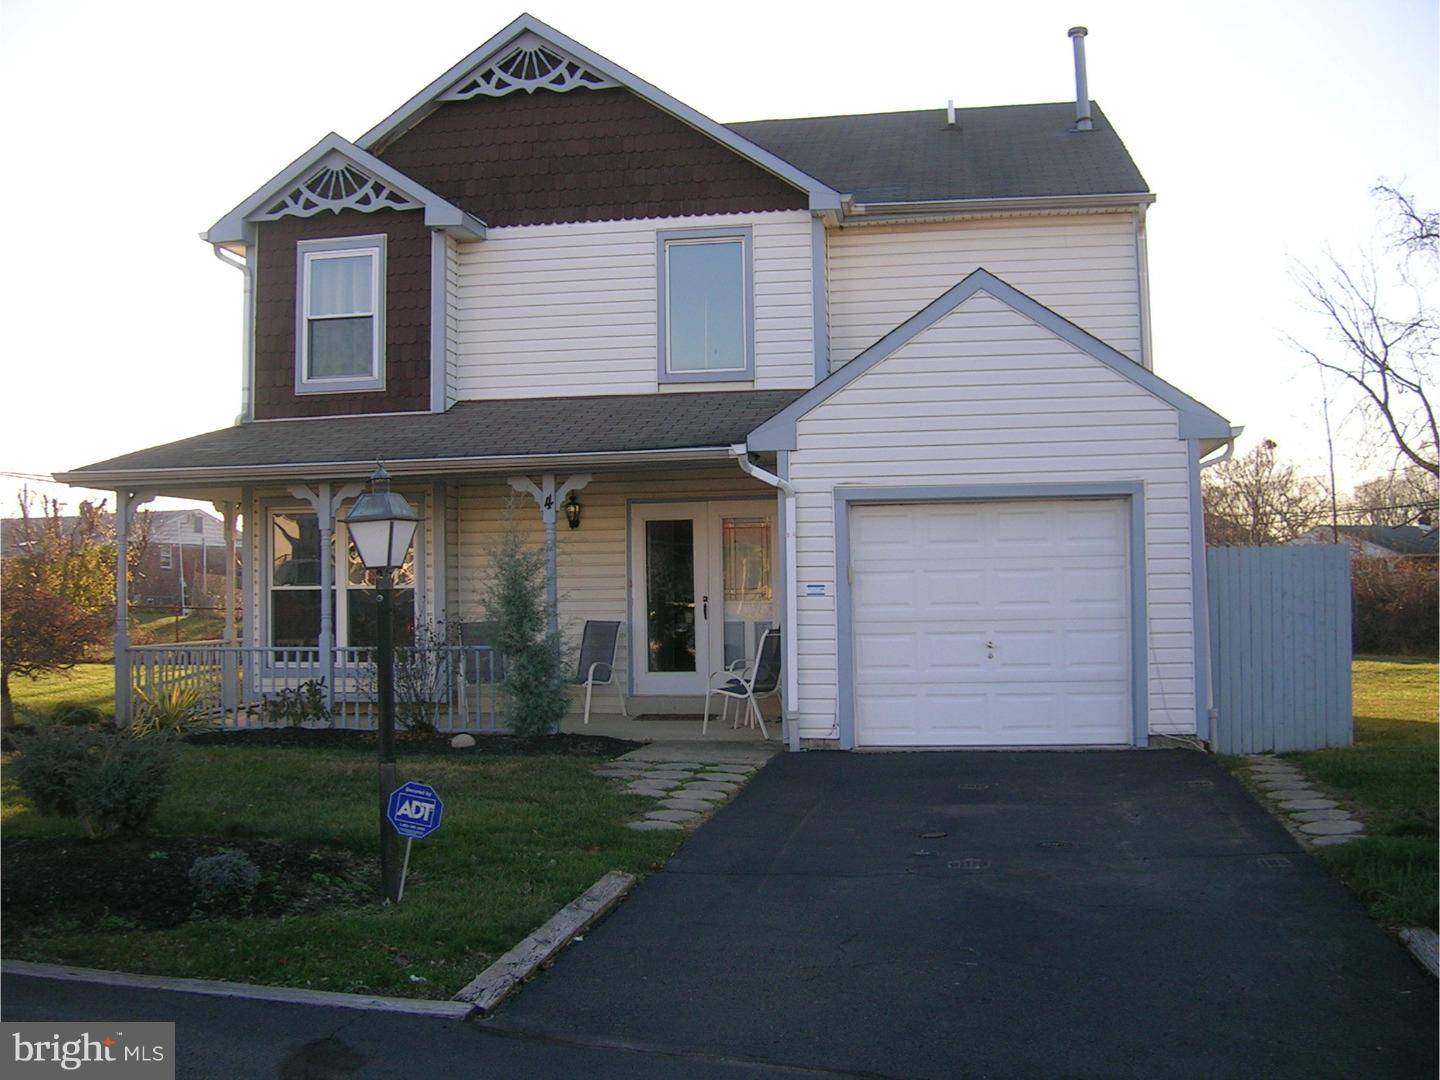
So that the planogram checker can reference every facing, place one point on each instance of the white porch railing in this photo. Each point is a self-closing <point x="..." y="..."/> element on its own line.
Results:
<point x="449" y="687"/>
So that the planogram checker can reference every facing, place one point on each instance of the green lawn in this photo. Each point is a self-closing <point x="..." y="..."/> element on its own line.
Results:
<point x="165" y="627"/>
<point x="1390" y="777"/>
<point x="521" y="837"/>
<point x="85" y="684"/>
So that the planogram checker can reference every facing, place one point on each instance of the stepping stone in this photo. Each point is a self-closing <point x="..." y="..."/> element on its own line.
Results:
<point x="1332" y="841"/>
<point x="723" y="777"/>
<point x="1270" y="776"/>
<point x="693" y="792"/>
<point x="649" y="825"/>
<point x="1331" y="828"/>
<point x="700" y="806"/>
<point x="1287" y="794"/>
<point x="747" y="769"/>
<point x="1309" y="804"/>
<point x="671" y="815"/>
<point x="618" y="774"/>
<point x="678" y="766"/>
<point x="652" y="790"/>
<point x="1320" y="815"/>
<point x="667" y="776"/>
<point x="708" y="789"/>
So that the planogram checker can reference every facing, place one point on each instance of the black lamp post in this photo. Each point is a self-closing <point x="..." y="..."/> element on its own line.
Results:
<point x="382" y="525"/>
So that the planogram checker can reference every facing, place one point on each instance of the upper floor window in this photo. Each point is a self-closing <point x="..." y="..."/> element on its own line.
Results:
<point x="340" y="315"/>
<point x="706" y="318"/>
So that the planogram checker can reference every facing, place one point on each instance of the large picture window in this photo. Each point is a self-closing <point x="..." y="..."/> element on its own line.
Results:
<point x="295" y="594"/>
<point x="705" y="294"/>
<point x="340" y="342"/>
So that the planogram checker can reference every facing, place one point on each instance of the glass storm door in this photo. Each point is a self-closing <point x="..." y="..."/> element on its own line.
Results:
<point x="702" y="590"/>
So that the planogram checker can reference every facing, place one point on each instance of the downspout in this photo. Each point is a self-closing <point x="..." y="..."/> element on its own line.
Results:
<point x="788" y="635"/>
<point x="1211" y="712"/>
<point x="247" y="348"/>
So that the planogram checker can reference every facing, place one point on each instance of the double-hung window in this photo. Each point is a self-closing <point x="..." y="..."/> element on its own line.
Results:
<point x="340" y="316"/>
<point x="706" y="316"/>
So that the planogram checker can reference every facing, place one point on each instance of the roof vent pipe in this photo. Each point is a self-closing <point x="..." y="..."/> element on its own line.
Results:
<point x="950" y="113"/>
<point x="1082" y="88"/>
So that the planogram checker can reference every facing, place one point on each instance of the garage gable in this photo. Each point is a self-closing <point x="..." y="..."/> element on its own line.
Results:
<point x="1196" y="421"/>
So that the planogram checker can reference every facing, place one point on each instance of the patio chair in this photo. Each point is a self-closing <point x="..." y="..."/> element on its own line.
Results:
<point x="475" y="668"/>
<point x="760" y="680"/>
<point x="597" y="662"/>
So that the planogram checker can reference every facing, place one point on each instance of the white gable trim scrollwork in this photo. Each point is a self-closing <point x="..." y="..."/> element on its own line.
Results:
<point x="335" y="186"/>
<point x="530" y="64"/>
<point x="337" y="175"/>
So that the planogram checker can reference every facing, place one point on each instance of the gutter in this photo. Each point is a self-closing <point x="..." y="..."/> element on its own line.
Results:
<point x="247" y="331"/>
<point x="792" y="650"/>
<point x="349" y="470"/>
<point x="1235" y="433"/>
<point x="918" y="208"/>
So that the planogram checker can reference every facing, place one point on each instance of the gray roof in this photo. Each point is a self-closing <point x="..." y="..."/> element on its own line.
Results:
<point x="474" y="429"/>
<point x="1401" y="539"/>
<point x="997" y="152"/>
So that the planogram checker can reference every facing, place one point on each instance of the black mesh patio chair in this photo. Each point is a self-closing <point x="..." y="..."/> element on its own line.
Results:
<point x="596" y="666"/>
<point x="761" y="680"/>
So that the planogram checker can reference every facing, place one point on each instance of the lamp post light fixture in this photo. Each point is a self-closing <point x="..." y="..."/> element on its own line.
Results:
<point x="572" y="510"/>
<point x="382" y="525"/>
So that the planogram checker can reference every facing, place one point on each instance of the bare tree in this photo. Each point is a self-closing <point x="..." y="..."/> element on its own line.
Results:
<point x="1258" y="499"/>
<point x="1403" y="497"/>
<point x="1382" y="330"/>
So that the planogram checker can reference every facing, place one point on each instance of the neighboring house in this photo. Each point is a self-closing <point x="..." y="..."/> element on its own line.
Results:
<point x="183" y="561"/>
<point x="884" y="380"/>
<point x="1377" y="541"/>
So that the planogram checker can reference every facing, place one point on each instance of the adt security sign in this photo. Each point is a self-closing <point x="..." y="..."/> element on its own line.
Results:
<point x="415" y="810"/>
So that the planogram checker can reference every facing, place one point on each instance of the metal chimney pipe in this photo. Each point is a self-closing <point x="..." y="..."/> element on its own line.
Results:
<point x="950" y="113"/>
<point x="1082" y="87"/>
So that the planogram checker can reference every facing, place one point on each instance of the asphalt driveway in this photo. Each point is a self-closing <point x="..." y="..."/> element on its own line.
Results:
<point x="995" y="914"/>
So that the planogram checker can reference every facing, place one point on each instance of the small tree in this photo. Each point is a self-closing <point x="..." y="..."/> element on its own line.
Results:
<point x="41" y="631"/>
<point x="1258" y="499"/>
<point x="74" y="557"/>
<point x="535" y="692"/>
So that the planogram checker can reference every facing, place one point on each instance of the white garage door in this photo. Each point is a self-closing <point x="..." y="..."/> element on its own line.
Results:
<point x="991" y="624"/>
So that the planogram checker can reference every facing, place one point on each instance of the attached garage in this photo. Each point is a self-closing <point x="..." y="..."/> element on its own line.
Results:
<point x="991" y="623"/>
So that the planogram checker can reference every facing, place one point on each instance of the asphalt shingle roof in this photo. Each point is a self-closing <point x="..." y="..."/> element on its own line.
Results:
<point x="998" y="152"/>
<point x="471" y="429"/>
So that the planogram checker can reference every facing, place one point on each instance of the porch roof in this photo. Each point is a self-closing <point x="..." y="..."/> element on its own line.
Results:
<point x="468" y="434"/>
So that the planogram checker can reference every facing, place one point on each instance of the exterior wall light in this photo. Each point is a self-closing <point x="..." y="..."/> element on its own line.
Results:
<point x="572" y="510"/>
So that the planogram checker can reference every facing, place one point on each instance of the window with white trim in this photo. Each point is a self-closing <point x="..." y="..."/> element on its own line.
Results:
<point x="295" y="596"/>
<point x="705" y="313"/>
<point x="166" y="558"/>
<point x="340" y="333"/>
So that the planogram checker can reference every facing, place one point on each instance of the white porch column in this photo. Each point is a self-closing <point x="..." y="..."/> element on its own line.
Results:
<point x="126" y="503"/>
<point x="325" y="502"/>
<point x="229" y="511"/>
<point x="548" y="497"/>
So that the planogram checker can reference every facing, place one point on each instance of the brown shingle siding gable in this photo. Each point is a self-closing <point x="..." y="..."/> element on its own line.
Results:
<point x="407" y="315"/>
<point x="585" y="155"/>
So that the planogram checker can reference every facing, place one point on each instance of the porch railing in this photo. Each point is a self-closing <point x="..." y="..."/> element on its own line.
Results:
<point x="448" y="687"/>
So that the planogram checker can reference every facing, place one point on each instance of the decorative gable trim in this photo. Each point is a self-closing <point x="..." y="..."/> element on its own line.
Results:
<point x="1196" y="420"/>
<point x="335" y="175"/>
<point x="530" y="64"/>
<point x="527" y="32"/>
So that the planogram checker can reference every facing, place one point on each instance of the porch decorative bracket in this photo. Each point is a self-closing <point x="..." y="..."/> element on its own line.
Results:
<point x="530" y="64"/>
<point x="326" y="502"/>
<point x="137" y="499"/>
<point x="546" y="495"/>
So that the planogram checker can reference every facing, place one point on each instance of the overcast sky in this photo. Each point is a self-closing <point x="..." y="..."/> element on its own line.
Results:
<point x="132" y="127"/>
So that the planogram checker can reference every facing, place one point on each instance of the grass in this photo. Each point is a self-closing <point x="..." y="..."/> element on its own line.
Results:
<point x="522" y="836"/>
<point x="84" y="684"/>
<point x="1390" y="777"/>
<point x="165" y="627"/>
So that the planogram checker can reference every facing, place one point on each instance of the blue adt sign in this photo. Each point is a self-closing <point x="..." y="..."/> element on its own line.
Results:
<point x="415" y="810"/>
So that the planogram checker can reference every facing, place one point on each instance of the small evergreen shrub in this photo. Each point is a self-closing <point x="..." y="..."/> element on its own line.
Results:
<point x="108" y="781"/>
<point x="535" y="691"/>
<point x="226" y="875"/>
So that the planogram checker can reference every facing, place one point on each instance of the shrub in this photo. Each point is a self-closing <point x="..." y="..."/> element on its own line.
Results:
<point x="226" y="875"/>
<point x="535" y="690"/>
<point x="110" y="782"/>
<point x="296" y="706"/>
<point x="174" y="710"/>
<point x="74" y="714"/>
<point x="1396" y="607"/>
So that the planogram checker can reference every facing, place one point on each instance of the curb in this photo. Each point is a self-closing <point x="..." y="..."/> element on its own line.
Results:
<point x="451" y="1010"/>
<point x="1423" y="946"/>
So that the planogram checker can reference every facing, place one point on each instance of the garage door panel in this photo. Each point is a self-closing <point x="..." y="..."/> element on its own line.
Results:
<point x="991" y="623"/>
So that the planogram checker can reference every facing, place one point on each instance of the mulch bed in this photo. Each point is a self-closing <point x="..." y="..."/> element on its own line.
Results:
<point x="143" y="881"/>
<point x="409" y="742"/>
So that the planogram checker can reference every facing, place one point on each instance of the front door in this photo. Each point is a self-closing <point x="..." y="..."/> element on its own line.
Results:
<point x="702" y="589"/>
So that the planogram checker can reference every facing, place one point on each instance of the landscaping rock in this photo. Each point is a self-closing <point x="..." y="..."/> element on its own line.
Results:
<point x="1309" y="804"/>
<point x="462" y="741"/>
<point x="671" y="815"/>
<point x="1332" y="841"/>
<point x="650" y="825"/>
<point x="1320" y="815"/>
<point x="1331" y="828"/>
<point x="700" y="806"/>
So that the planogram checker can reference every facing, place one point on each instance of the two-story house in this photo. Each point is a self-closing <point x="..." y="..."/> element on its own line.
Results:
<point x="883" y="381"/>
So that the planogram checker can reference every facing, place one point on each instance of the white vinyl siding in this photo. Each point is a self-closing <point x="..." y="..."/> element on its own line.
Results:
<point x="566" y="310"/>
<point x="593" y="560"/>
<point x="1083" y="266"/>
<point x="985" y="396"/>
